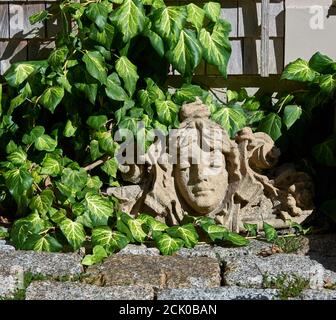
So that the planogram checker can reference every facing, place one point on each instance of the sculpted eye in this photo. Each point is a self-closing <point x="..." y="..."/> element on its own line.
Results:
<point x="184" y="166"/>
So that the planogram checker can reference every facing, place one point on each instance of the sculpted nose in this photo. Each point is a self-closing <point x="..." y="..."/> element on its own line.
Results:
<point x="201" y="173"/>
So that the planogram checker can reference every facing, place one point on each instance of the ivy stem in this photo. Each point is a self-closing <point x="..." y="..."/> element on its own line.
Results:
<point x="96" y="163"/>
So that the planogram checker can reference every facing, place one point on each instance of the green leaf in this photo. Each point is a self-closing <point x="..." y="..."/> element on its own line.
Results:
<point x="45" y="143"/>
<point x="97" y="13"/>
<point x="50" y="166"/>
<point x="110" y="167"/>
<point x="17" y="157"/>
<point x="168" y="245"/>
<point x="113" y="88"/>
<point x="299" y="70"/>
<point x="75" y="179"/>
<point x="271" y="125"/>
<point x="42" y="202"/>
<point x="97" y="122"/>
<point x="57" y="216"/>
<point x="38" y="17"/>
<point x="100" y="208"/>
<point x="187" y="53"/>
<point x="251" y="229"/>
<point x="69" y="130"/>
<point x="19" y="233"/>
<point x="58" y="56"/>
<point x="41" y="243"/>
<point x="212" y="10"/>
<point x="235" y="239"/>
<point x="187" y="93"/>
<point x="95" y="65"/>
<point x="99" y="254"/>
<point x="186" y="232"/>
<point x="128" y="72"/>
<point x="156" y="42"/>
<point x="167" y="111"/>
<point x="195" y="16"/>
<point x="18" y="181"/>
<point x="94" y="183"/>
<point x="130" y="19"/>
<point x="214" y="231"/>
<point x="19" y="72"/>
<point x="135" y="226"/>
<point x="3" y="233"/>
<point x="169" y="21"/>
<point x="108" y="239"/>
<point x="52" y="97"/>
<point x="231" y="119"/>
<point x="74" y="232"/>
<point x="35" y="133"/>
<point x="270" y="232"/>
<point x="216" y="46"/>
<point x="328" y="83"/>
<point x="94" y="150"/>
<point x="322" y="63"/>
<point x="325" y="152"/>
<point x="291" y="114"/>
<point x="106" y="142"/>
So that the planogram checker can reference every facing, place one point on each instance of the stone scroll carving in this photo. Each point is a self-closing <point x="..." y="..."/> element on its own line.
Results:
<point x="198" y="170"/>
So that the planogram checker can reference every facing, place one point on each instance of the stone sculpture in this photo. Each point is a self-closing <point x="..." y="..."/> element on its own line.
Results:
<point x="198" y="170"/>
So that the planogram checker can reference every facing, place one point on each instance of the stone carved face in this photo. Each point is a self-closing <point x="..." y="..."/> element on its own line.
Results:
<point x="203" y="184"/>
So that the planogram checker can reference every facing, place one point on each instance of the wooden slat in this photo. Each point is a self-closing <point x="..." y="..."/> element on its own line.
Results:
<point x="229" y="12"/>
<point x="4" y="23"/>
<point x="264" y="72"/>
<point x="10" y="52"/>
<point x="20" y="26"/>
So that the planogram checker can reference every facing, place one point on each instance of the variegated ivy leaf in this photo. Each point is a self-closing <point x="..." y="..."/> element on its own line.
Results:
<point x="212" y="10"/>
<point x="42" y="202"/>
<point x="108" y="239"/>
<point x="135" y="226"/>
<point x="128" y="72"/>
<point x="74" y="232"/>
<point x="195" y="16"/>
<point x="41" y="243"/>
<point x="299" y="70"/>
<point x="186" y="232"/>
<point x="271" y="124"/>
<point x="100" y="208"/>
<point x="168" y="245"/>
<point x="52" y="97"/>
<point x="17" y="157"/>
<point x="18" y="181"/>
<point x="95" y="65"/>
<point x="50" y="166"/>
<point x="167" y="111"/>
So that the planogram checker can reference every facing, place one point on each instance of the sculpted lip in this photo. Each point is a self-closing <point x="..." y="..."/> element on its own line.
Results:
<point x="202" y="189"/>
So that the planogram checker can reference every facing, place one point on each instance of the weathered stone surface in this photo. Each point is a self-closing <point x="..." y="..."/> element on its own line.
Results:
<point x="156" y="271"/>
<point x="222" y="293"/>
<point x="52" y="264"/>
<point x="51" y="290"/>
<point x="318" y="295"/>
<point x="139" y="250"/>
<point x="249" y="271"/>
<point x="5" y="247"/>
<point x="8" y="284"/>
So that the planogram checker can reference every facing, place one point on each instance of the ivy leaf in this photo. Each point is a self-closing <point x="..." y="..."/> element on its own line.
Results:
<point x="251" y="229"/>
<point x="291" y="114"/>
<point x="168" y="21"/>
<point x="186" y="232"/>
<point x="212" y="10"/>
<point x="52" y="97"/>
<point x="128" y="72"/>
<point x="57" y="216"/>
<point x="325" y="152"/>
<point x="69" y="130"/>
<point x="328" y="83"/>
<point x="113" y="88"/>
<point x="195" y="16"/>
<point x="17" y="157"/>
<point x="35" y="133"/>
<point x="38" y="17"/>
<point x="135" y="226"/>
<point x="299" y="70"/>
<point x="18" y="181"/>
<point x="100" y="209"/>
<point x="270" y="232"/>
<point x="99" y="254"/>
<point x="156" y="41"/>
<point x="97" y="122"/>
<point x="58" y="56"/>
<point x="271" y="125"/>
<point x="75" y="179"/>
<point x="45" y="143"/>
<point x="50" y="166"/>
<point x="129" y="18"/>
<point x="322" y="63"/>
<point x="41" y="243"/>
<point x="95" y="65"/>
<point x="168" y="245"/>
<point x="42" y="202"/>
<point x="231" y="119"/>
<point x="108" y="239"/>
<point x="19" y="72"/>
<point x="216" y="46"/>
<point x="94" y="150"/>
<point x="215" y="232"/>
<point x="110" y="167"/>
<point x="74" y="232"/>
<point x="235" y="239"/>
<point x="106" y="142"/>
<point x="167" y="111"/>
<point x="187" y="53"/>
<point x="187" y="93"/>
<point x="97" y="13"/>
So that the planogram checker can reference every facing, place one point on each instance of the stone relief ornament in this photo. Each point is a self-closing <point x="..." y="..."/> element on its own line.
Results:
<point x="198" y="170"/>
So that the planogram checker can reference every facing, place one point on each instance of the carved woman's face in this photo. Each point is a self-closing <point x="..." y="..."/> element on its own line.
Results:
<point x="203" y="185"/>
